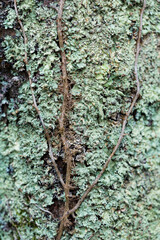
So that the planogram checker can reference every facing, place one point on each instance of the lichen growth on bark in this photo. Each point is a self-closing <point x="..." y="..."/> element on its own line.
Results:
<point x="100" y="38"/>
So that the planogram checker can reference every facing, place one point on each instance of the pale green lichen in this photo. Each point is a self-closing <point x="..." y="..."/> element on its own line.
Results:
<point x="100" y="38"/>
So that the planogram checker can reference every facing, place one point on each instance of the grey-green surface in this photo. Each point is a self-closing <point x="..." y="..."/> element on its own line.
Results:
<point x="100" y="39"/>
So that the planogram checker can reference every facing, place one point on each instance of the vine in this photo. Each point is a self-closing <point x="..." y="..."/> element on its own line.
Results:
<point x="124" y="120"/>
<point x="63" y="117"/>
<point x="34" y="98"/>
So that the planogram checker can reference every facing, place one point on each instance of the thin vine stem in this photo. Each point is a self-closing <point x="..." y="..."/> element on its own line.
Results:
<point x="124" y="121"/>
<point x="34" y="98"/>
<point x="63" y="117"/>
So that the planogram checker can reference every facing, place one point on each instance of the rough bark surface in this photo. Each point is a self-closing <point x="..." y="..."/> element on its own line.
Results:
<point x="82" y="60"/>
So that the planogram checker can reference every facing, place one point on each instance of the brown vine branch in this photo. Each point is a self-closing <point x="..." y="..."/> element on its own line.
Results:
<point x="63" y="118"/>
<point x="124" y="121"/>
<point x="34" y="99"/>
<point x="44" y="210"/>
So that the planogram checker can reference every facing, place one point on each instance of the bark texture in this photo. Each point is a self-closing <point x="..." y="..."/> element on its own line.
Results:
<point x="59" y="129"/>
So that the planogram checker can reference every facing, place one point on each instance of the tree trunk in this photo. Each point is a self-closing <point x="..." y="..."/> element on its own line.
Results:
<point x="67" y="83"/>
